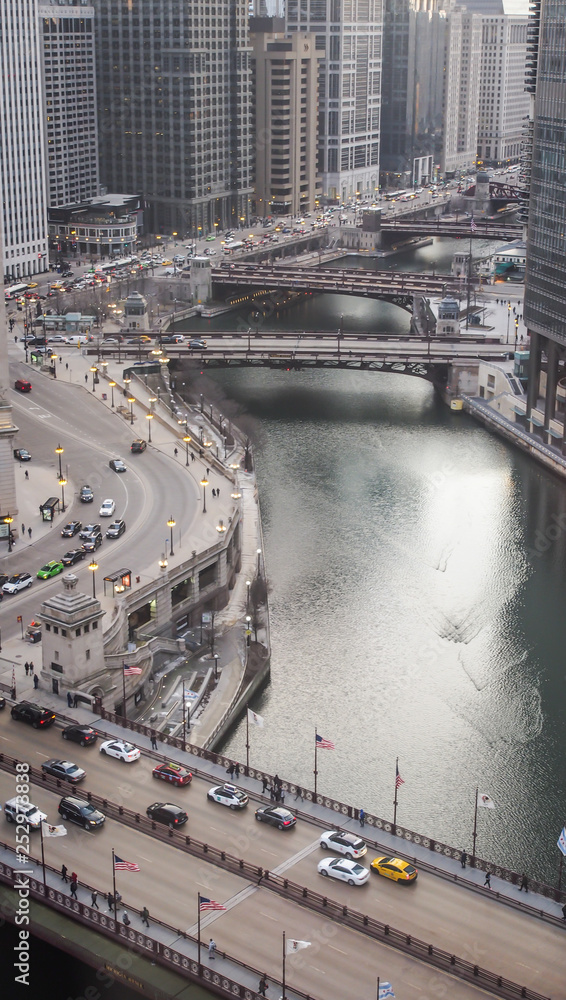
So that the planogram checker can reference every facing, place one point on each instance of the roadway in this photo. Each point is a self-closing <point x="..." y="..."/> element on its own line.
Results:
<point x="59" y="411"/>
<point x="473" y="926"/>
<point x="372" y="284"/>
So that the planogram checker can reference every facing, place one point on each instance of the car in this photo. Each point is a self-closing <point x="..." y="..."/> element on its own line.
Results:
<point x="64" y="769"/>
<point x="17" y="582"/>
<point x="197" y="345"/>
<point x="121" y="750"/>
<point x="116" y="529"/>
<point x="138" y="446"/>
<point x="22" y="385"/>
<point x="81" y="812"/>
<point x="343" y="843"/>
<point x="70" y="529"/>
<point x="52" y="568"/>
<point x="277" y="816"/>
<point x="174" y="773"/>
<point x="228" y="795"/>
<point x="26" y="813"/>
<point x="89" y="529"/>
<point x="394" y="868"/>
<point x="344" y="869"/>
<point x="117" y="465"/>
<point x="22" y="454"/>
<point x="86" y="495"/>
<point x="210" y="253"/>
<point x="93" y="542"/>
<point x="73" y="556"/>
<point x="84" y="735"/>
<point x="107" y="508"/>
<point x="57" y="338"/>
<point x="166" y="812"/>
<point x="34" y="715"/>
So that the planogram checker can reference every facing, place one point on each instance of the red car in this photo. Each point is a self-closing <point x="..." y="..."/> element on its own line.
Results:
<point x="174" y="773"/>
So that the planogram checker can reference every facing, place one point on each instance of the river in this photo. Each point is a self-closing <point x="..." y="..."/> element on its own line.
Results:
<point x="417" y="566"/>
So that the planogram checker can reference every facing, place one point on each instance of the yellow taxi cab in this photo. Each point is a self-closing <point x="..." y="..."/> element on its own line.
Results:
<point x="56" y="285"/>
<point x="394" y="868"/>
<point x="167" y="263"/>
<point x="32" y="284"/>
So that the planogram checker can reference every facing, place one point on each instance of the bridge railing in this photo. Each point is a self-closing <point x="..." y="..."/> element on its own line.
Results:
<point x="437" y="847"/>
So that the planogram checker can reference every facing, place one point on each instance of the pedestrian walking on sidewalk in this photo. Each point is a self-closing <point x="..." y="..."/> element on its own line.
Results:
<point x="31" y="668"/>
<point x="214" y="493"/>
<point x="463" y="859"/>
<point x="69" y="699"/>
<point x="192" y="456"/>
<point x="110" y="901"/>
<point x="154" y="742"/>
<point x="144" y="914"/>
<point x="272" y="792"/>
<point x="217" y="492"/>
<point x="299" y="794"/>
<point x="74" y="877"/>
<point x="211" y="948"/>
<point x="125" y="919"/>
<point x="35" y="681"/>
<point x="26" y="476"/>
<point x="29" y="533"/>
<point x="230" y="771"/>
<point x="94" y="897"/>
<point x="23" y="528"/>
<point x="175" y="452"/>
<point x="64" y="870"/>
<point x="264" y="784"/>
<point x="26" y="668"/>
<point x="263" y="986"/>
<point x="487" y="883"/>
<point x="86" y="376"/>
<point x="73" y="888"/>
<point x="524" y="883"/>
<point x="237" y="770"/>
<point x="362" y="817"/>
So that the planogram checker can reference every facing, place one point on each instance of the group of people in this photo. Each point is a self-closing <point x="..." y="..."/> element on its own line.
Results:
<point x="275" y="790"/>
<point x="112" y="900"/>
<point x="30" y="672"/>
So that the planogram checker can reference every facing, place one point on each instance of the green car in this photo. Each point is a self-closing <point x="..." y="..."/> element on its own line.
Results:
<point x="50" y="569"/>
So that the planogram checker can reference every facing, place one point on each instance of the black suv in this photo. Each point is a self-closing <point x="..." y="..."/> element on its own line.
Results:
<point x="139" y="445"/>
<point x="93" y="542"/>
<point x="81" y="812"/>
<point x="116" y="529"/>
<point x="89" y="529"/>
<point x="166" y="812"/>
<point x="70" y="529"/>
<point x="34" y="715"/>
<point x="86" y="495"/>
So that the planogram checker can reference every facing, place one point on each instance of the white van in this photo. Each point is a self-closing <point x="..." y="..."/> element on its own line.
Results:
<point x="78" y="339"/>
<point x="28" y="814"/>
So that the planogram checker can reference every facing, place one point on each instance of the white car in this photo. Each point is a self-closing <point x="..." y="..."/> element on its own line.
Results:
<point x="228" y="795"/>
<point x="345" y="870"/>
<point x="19" y="581"/>
<point x="107" y="509"/>
<point x="123" y="751"/>
<point x="343" y="843"/>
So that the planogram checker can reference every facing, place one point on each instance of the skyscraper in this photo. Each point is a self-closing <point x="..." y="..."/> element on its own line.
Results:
<point x="174" y="109"/>
<point x="545" y="285"/>
<point x="349" y="44"/>
<point x="67" y="41"/>
<point x="7" y="432"/>
<point x="22" y="152"/>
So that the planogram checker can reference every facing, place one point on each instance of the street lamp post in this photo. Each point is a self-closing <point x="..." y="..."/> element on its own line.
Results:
<point x="204" y="484"/>
<point x="216" y="655"/>
<point x="258" y="562"/>
<point x="112" y="386"/>
<point x="93" y="566"/>
<point x="9" y="521"/>
<point x="248" y="585"/>
<point x="508" y="318"/>
<point x="171" y="524"/>
<point x="59" y="451"/>
<point x="62" y="484"/>
<point x="187" y="439"/>
<point x="149" y="418"/>
<point x="94" y="371"/>
<point x="131" y="401"/>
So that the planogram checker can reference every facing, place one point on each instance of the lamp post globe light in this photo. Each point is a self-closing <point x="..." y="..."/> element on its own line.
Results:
<point x="204" y="484"/>
<point x="171" y="524"/>
<point x="9" y="521"/>
<point x="221" y="527"/>
<point x="59" y="451"/>
<point x="131" y="401"/>
<point x="94" y="371"/>
<point x="163" y="563"/>
<point x="149" y="418"/>
<point x="248" y="585"/>
<point x="216" y="656"/>
<point x="62" y="484"/>
<point x="112" y="386"/>
<point x="93" y="566"/>
<point x="187" y="439"/>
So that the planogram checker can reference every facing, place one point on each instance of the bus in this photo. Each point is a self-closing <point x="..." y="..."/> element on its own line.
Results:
<point x="14" y="291"/>
<point x="234" y="247"/>
<point x="395" y="195"/>
<point x="115" y="265"/>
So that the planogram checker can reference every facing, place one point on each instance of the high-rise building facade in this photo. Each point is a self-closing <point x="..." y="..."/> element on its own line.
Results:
<point x="69" y="80"/>
<point x="545" y="285"/>
<point x="286" y="114"/>
<point x="22" y="150"/>
<point x="349" y="43"/>
<point x="174" y="93"/>
<point x="462" y="60"/>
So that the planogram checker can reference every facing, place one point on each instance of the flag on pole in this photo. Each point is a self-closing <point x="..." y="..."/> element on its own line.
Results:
<point x="130" y="671"/>
<point x="210" y="904"/>
<point x="473" y="226"/>
<point x="386" y="990"/>
<point x="323" y="744"/>
<point x="562" y="841"/>
<point x="486" y="801"/>
<point x="53" y="831"/>
<point x="398" y="779"/>
<point x="292" y="946"/>
<point x="255" y="719"/>
<point x="124" y="866"/>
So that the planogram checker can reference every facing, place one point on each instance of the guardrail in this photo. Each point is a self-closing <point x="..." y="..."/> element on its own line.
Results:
<point x="407" y="943"/>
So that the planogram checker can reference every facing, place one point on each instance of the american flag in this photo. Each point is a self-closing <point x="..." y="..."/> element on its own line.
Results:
<point x="323" y="744"/>
<point x="473" y="226"/>
<point x="131" y="671"/>
<point x="125" y="866"/>
<point x="398" y="779"/>
<point x="210" y="904"/>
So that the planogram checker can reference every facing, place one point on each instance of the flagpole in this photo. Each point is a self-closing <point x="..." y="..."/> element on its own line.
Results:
<point x="124" y="689"/>
<point x="283" y="978"/>
<point x="43" y="856"/>
<point x="474" y="835"/>
<point x="560" y="872"/>
<point x="114" y="887"/>
<point x="395" y="799"/>
<point x="247" y="741"/>
<point x="315" y="761"/>
<point x="377" y="994"/>
<point x="184" y="720"/>
<point x="469" y="280"/>
<point x="198" y="934"/>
